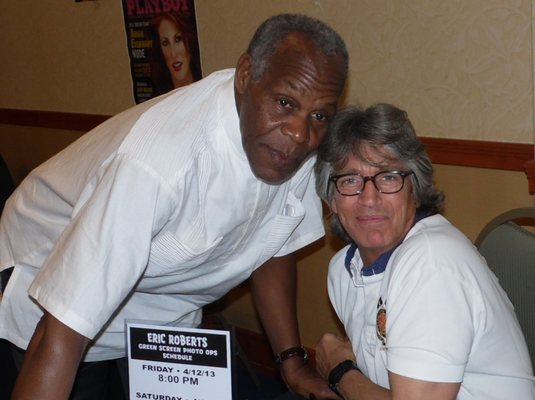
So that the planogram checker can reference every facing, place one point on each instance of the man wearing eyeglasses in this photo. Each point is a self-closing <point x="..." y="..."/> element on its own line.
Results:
<point x="424" y="316"/>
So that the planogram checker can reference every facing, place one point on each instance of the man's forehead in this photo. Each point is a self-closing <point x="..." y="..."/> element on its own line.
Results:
<point x="380" y="157"/>
<point x="297" y="45"/>
<point x="303" y="71"/>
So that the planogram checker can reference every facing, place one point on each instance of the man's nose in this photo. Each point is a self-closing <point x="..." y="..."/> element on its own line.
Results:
<point x="297" y="129"/>
<point x="369" y="193"/>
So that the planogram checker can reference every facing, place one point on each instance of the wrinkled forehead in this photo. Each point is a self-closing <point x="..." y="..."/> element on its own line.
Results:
<point x="376" y="155"/>
<point x="299" y="49"/>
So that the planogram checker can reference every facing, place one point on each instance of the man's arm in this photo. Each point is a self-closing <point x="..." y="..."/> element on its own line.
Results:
<point x="355" y="386"/>
<point x="51" y="361"/>
<point x="274" y="292"/>
<point x="332" y="350"/>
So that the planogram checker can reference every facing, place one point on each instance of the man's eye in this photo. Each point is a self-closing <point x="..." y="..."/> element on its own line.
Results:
<point x="389" y="177"/>
<point x="349" y="181"/>
<point x="284" y="103"/>
<point x="319" y="116"/>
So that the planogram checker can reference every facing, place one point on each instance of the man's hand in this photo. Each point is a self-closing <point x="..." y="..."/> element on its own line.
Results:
<point x="331" y="350"/>
<point x="273" y="287"/>
<point x="304" y="380"/>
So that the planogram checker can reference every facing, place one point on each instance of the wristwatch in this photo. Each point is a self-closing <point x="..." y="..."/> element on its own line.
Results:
<point x="337" y="372"/>
<point x="291" y="352"/>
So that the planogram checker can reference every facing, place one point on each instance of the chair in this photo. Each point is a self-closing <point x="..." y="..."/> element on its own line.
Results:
<point x="509" y="249"/>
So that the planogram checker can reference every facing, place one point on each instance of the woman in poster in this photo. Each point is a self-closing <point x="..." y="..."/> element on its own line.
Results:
<point x="175" y="55"/>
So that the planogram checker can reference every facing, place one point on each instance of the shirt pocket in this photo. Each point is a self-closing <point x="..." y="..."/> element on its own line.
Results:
<point x="282" y="226"/>
<point x="169" y="255"/>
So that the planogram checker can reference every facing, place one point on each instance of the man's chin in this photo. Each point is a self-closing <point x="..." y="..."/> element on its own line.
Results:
<point x="273" y="177"/>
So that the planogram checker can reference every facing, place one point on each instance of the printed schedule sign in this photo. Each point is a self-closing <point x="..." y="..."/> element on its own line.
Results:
<point x="167" y="363"/>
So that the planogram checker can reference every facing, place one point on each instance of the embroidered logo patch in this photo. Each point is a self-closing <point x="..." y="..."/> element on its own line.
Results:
<point x="380" y="321"/>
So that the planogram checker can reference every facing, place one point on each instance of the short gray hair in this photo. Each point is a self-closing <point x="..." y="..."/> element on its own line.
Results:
<point x="380" y="125"/>
<point x="271" y="32"/>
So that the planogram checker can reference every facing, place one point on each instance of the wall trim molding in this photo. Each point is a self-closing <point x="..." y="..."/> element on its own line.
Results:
<point x="51" y="119"/>
<point x="530" y="172"/>
<point x="481" y="154"/>
<point x="459" y="152"/>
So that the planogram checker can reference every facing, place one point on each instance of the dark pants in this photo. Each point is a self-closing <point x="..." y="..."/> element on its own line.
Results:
<point x="99" y="380"/>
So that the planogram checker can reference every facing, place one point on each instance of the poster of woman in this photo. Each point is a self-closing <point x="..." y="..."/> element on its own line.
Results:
<point x="163" y="45"/>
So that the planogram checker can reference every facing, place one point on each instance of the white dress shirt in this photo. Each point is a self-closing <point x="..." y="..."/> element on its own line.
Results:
<point x="150" y="216"/>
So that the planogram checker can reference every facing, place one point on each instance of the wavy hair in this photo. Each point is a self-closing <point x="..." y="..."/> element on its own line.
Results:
<point x="161" y="77"/>
<point x="381" y="126"/>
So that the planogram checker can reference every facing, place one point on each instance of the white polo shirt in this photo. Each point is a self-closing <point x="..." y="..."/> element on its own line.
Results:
<point x="436" y="313"/>
<point x="152" y="215"/>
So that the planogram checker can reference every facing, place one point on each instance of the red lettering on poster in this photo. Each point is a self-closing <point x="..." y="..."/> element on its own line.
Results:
<point x="149" y="7"/>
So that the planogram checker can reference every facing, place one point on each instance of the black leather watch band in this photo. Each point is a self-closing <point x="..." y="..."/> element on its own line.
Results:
<point x="291" y="352"/>
<point x="337" y="372"/>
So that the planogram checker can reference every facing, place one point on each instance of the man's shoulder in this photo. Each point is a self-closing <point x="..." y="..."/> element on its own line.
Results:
<point x="204" y="86"/>
<point x="436" y="228"/>
<point x="435" y="243"/>
<point x="195" y="92"/>
<point x="183" y="116"/>
<point x="339" y="260"/>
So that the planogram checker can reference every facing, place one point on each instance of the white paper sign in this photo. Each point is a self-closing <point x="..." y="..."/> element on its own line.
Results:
<point x="169" y="363"/>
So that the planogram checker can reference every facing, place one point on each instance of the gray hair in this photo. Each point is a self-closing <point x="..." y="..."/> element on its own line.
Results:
<point x="381" y="126"/>
<point x="272" y="31"/>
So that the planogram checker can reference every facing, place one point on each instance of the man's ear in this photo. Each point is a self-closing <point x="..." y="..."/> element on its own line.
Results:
<point x="243" y="73"/>
<point x="332" y="205"/>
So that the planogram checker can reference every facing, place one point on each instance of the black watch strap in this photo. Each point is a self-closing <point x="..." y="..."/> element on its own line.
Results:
<point x="291" y="352"/>
<point x="337" y="372"/>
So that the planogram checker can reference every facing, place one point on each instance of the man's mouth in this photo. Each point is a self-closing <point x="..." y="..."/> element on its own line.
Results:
<point x="371" y="219"/>
<point x="281" y="158"/>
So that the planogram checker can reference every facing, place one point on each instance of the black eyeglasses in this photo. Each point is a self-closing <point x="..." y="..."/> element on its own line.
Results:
<point x="387" y="182"/>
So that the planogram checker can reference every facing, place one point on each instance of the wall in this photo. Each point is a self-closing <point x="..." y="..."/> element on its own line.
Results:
<point x="23" y="147"/>
<point x="461" y="70"/>
<point x="64" y="56"/>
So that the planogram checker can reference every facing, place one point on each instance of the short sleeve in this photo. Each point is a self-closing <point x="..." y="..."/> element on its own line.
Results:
<point x="430" y="326"/>
<point x="104" y="250"/>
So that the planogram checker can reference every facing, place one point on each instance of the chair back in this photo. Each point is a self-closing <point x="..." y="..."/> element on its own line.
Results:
<point x="509" y="249"/>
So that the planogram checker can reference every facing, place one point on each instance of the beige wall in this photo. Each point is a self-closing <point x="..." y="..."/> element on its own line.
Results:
<point x="23" y="147"/>
<point x="461" y="70"/>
